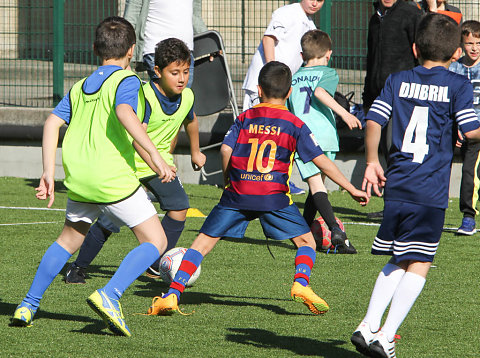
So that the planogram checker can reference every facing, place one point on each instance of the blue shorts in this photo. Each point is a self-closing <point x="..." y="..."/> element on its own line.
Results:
<point x="409" y="231"/>
<point x="171" y="196"/>
<point x="282" y="224"/>
<point x="309" y="169"/>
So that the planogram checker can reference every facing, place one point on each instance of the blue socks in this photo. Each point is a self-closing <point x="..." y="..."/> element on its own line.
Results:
<point x="190" y="262"/>
<point x="304" y="261"/>
<point x="173" y="229"/>
<point x="132" y="266"/>
<point x="52" y="263"/>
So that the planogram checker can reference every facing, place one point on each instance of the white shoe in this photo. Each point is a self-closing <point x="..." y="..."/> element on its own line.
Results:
<point x="381" y="347"/>
<point x="362" y="338"/>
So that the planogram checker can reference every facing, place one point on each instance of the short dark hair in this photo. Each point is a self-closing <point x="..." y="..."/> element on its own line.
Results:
<point x="171" y="50"/>
<point x="471" y="27"/>
<point x="438" y="37"/>
<point x="315" y="44"/>
<point x="275" y="78"/>
<point x="114" y="36"/>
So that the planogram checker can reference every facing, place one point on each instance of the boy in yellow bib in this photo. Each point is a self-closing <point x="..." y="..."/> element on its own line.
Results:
<point x="102" y="112"/>
<point x="169" y="106"/>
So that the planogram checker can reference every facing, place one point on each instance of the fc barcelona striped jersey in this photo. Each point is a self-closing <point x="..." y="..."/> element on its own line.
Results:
<point x="423" y="105"/>
<point x="264" y="139"/>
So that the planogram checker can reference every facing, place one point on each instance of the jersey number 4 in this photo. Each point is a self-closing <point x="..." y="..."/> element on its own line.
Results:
<point x="415" y="137"/>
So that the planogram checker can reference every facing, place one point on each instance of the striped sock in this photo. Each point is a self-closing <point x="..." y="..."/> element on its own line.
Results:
<point x="304" y="261"/>
<point x="190" y="262"/>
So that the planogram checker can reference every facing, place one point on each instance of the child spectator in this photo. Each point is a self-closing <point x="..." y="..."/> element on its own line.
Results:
<point x="98" y="158"/>
<point x="257" y="159"/>
<point x="423" y="105"/>
<point x="171" y="105"/>
<point x="469" y="66"/>
<point x="313" y="88"/>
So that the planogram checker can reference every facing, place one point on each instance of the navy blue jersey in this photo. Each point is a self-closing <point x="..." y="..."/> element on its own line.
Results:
<point x="423" y="105"/>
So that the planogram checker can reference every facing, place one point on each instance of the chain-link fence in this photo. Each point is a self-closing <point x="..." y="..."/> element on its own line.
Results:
<point x="46" y="45"/>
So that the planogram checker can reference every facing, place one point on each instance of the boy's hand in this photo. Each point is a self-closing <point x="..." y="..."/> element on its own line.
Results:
<point x="373" y="177"/>
<point x="460" y="139"/>
<point x="198" y="160"/>
<point x="165" y="172"/>
<point x="46" y="189"/>
<point x="352" y="121"/>
<point x="360" y="196"/>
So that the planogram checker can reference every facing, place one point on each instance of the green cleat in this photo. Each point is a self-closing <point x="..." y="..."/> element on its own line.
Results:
<point x="23" y="315"/>
<point x="111" y="312"/>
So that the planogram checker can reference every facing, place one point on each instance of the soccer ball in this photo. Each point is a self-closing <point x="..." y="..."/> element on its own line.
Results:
<point x="321" y="233"/>
<point x="170" y="263"/>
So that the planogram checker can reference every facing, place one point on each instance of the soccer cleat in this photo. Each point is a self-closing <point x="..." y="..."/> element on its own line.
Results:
<point x="75" y="274"/>
<point x="152" y="273"/>
<point x="340" y="242"/>
<point x="381" y="347"/>
<point x="23" y="315"/>
<point x="164" y="306"/>
<point x="362" y="338"/>
<point x="467" y="227"/>
<point x="295" y="190"/>
<point x="111" y="312"/>
<point x="305" y="295"/>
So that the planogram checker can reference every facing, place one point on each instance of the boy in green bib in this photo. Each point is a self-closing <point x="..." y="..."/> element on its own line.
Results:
<point x="102" y="112"/>
<point x="170" y="105"/>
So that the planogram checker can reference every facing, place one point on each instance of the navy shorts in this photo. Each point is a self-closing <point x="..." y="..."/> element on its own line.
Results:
<point x="171" y="196"/>
<point x="409" y="231"/>
<point x="283" y="224"/>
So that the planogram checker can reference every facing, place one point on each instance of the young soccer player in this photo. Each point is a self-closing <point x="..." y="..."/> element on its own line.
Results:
<point x="257" y="158"/>
<point x="98" y="158"/>
<point x="313" y="87"/>
<point x="171" y="105"/>
<point x="469" y="66"/>
<point x="423" y="105"/>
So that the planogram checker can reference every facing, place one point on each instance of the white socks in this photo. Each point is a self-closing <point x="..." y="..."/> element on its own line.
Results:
<point x="405" y="296"/>
<point x="385" y="286"/>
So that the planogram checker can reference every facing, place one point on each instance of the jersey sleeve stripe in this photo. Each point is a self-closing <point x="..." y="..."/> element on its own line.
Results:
<point x="382" y="103"/>
<point x="384" y="115"/>
<point x="459" y="113"/>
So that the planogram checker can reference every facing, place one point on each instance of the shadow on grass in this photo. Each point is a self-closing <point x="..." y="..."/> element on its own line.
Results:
<point x="59" y="187"/>
<point x="300" y="346"/>
<point x="200" y="298"/>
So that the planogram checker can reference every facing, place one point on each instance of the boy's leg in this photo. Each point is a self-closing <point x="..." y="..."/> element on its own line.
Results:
<point x="192" y="259"/>
<point x="324" y="207"/>
<point x="96" y="237"/>
<point x="470" y="186"/>
<point x="52" y="262"/>
<point x="304" y="261"/>
<point x="173" y="224"/>
<point x="387" y="282"/>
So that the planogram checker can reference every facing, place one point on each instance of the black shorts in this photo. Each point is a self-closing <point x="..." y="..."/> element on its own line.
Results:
<point x="171" y="196"/>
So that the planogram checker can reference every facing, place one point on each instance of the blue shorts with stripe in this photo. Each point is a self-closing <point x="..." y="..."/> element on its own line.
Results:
<point x="409" y="231"/>
<point x="224" y="221"/>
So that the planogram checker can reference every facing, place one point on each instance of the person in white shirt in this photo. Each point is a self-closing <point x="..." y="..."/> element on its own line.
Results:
<point x="280" y="42"/>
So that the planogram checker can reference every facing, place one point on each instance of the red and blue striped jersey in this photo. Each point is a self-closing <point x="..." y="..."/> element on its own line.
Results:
<point x="264" y="139"/>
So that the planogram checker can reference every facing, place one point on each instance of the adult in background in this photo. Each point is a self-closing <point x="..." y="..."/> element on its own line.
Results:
<point x="391" y="32"/>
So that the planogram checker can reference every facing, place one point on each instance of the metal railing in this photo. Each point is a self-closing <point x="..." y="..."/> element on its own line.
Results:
<point x="46" y="45"/>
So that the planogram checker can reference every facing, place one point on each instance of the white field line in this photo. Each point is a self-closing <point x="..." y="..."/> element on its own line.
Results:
<point x="161" y="215"/>
<point x="34" y="223"/>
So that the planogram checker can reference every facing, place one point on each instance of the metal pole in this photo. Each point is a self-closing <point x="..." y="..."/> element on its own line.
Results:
<point x="326" y="17"/>
<point x="58" y="50"/>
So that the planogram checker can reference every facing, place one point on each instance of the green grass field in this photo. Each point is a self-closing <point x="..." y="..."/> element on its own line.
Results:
<point x="241" y="300"/>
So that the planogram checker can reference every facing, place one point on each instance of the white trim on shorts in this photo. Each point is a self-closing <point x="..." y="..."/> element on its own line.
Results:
<point x="131" y="211"/>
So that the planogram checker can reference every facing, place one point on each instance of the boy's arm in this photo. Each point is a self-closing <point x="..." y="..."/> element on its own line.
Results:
<point x="473" y="135"/>
<point x="269" y="47"/>
<point x="130" y="121"/>
<point x="51" y="129"/>
<point x="226" y="153"/>
<point x="374" y="176"/>
<point x="324" y="97"/>
<point x="191" y="128"/>
<point x="331" y="170"/>
<point x="143" y="153"/>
